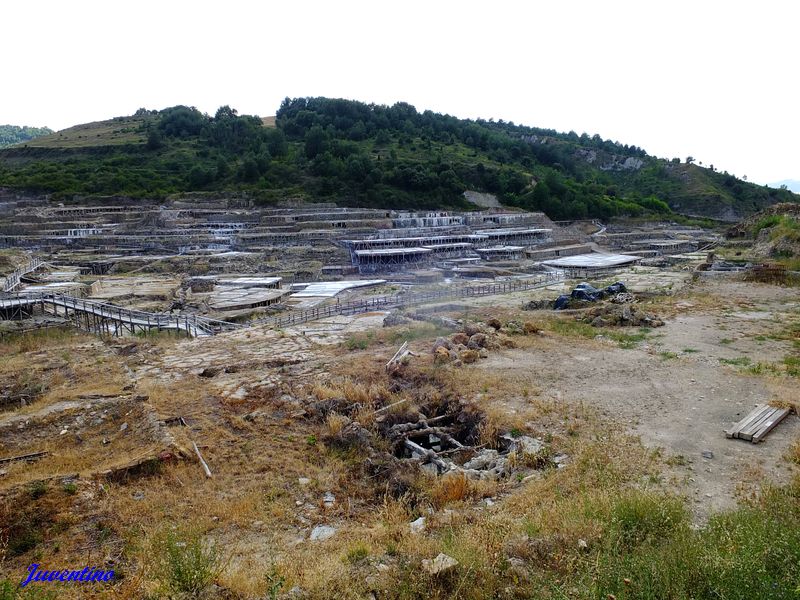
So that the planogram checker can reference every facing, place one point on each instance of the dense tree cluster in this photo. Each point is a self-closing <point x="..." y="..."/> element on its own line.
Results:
<point x="389" y="156"/>
<point x="12" y="134"/>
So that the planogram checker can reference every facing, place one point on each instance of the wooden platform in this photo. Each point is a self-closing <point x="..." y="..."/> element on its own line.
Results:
<point x="758" y="423"/>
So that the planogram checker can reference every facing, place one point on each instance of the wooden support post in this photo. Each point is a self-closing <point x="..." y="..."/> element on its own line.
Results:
<point x="202" y="462"/>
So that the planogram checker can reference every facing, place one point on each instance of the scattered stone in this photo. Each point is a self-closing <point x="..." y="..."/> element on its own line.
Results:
<point x="351" y="436"/>
<point x="3" y="472"/>
<point x="477" y="341"/>
<point x="483" y="353"/>
<point x="253" y="416"/>
<point x="441" y="564"/>
<point x="512" y="328"/>
<point x="210" y="372"/>
<point x="383" y="568"/>
<point x="442" y="343"/>
<point x="582" y="544"/>
<point x="304" y="481"/>
<point x="320" y="533"/>
<point x="626" y="315"/>
<point x="441" y="355"/>
<point x="538" y="305"/>
<point x="430" y="468"/>
<point x="485" y="459"/>
<point x="517" y="567"/>
<point x="328" y="499"/>
<point x="471" y="329"/>
<point x="459" y="339"/>
<point x="531" y="328"/>
<point x="395" y="319"/>
<point x="708" y="454"/>
<point x="417" y="526"/>
<point x="469" y="356"/>
<point x="124" y="426"/>
<point x="138" y="495"/>
<point x="623" y="298"/>
<point x="63" y="431"/>
<point x="494" y="324"/>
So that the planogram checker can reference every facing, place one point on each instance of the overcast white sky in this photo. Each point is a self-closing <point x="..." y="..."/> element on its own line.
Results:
<point x="715" y="80"/>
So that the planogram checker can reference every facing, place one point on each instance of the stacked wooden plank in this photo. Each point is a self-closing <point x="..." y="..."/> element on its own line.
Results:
<point x="758" y="423"/>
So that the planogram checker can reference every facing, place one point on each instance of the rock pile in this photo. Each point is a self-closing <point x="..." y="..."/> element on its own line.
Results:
<point x="583" y="293"/>
<point x="475" y="340"/>
<point x="619" y="315"/>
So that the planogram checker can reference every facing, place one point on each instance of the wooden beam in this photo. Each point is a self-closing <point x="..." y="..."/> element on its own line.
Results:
<point x="747" y="433"/>
<point x="32" y="456"/>
<point x="746" y="421"/>
<point x="779" y="415"/>
<point x="202" y="462"/>
<point x="426" y="454"/>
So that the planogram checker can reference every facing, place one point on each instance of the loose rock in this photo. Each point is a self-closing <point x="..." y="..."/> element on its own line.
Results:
<point x="441" y="564"/>
<point x="417" y="526"/>
<point x="320" y="533"/>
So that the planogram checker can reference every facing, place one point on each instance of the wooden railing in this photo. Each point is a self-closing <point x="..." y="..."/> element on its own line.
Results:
<point x="406" y="299"/>
<point x="12" y="280"/>
<point x="100" y="317"/>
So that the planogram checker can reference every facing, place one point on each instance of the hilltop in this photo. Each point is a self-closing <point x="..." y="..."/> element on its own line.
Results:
<point x="361" y="154"/>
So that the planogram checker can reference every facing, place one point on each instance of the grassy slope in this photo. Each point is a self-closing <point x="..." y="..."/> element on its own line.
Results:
<point x="111" y="157"/>
<point x="114" y="132"/>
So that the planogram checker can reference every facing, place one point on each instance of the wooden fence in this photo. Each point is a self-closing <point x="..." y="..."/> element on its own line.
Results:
<point x="11" y="281"/>
<point x="103" y="318"/>
<point x="407" y="299"/>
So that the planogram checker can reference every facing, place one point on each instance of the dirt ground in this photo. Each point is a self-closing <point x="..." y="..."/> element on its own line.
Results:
<point x="682" y="403"/>
<point x="246" y="397"/>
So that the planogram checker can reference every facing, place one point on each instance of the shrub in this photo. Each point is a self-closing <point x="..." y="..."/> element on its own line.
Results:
<point x="357" y="554"/>
<point x="638" y="517"/>
<point x="185" y="565"/>
<point x="452" y="488"/>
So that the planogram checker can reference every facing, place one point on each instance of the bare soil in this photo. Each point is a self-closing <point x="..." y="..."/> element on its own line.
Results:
<point x="681" y="404"/>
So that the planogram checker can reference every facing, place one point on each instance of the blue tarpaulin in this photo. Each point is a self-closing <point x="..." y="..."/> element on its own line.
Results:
<point x="588" y="293"/>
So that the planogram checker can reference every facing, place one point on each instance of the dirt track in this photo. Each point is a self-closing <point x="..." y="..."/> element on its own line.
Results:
<point x="681" y="404"/>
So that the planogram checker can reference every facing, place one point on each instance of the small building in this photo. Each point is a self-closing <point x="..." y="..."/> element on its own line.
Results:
<point x="389" y="259"/>
<point x="501" y="252"/>
<point x="228" y="298"/>
<point x="536" y="253"/>
<point x="584" y="265"/>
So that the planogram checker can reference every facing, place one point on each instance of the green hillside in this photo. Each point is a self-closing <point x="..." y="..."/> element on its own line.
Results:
<point x="13" y="134"/>
<point x="353" y="153"/>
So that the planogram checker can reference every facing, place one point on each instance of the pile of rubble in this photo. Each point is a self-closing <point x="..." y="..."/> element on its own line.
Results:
<point x="583" y="293"/>
<point x="582" y="296"/>
<point x="476" y="339"/>
<point x="619" y="315"/>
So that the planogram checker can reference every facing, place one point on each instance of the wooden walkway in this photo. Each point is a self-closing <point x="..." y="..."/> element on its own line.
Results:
<point x="407" y="299"/>
<point x="12" y="281"/>
<point x="99" y="317"/>
<point x="102" y="318"/>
